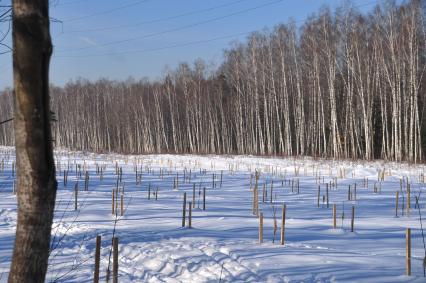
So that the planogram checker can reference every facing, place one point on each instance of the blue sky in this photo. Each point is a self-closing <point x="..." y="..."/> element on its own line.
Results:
<point x="117" y="39"/>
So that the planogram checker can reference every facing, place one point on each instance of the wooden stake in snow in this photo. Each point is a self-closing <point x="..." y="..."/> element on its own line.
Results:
<point x="261" y="228"/>
<point x="283" y="225"/>
<point x="113" y="199"/>
<point x="318" y="198"/>
<point x="334" y="216"/>
<point x="349" y="192"/>
<point x="353" y="218"/>
<point x="204" y="198"/>
<point x="115" y="260"/>
<point x="193" y="195"/>
<point x="184" y="210"/>
<point x="122" y="204"/>
<point x="408" y="252"/>
<point x="190" y="215"/>
<point x="86" y="181"/>
<point x="256" y="196"/>
<point x="75" y="196"/>
<point x="97" y="259"/>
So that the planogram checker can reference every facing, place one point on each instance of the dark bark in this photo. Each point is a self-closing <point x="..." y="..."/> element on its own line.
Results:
<point x="36" y="181"/>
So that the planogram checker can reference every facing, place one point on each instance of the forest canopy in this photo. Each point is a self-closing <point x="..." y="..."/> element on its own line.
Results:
<point x="341" y="85"/>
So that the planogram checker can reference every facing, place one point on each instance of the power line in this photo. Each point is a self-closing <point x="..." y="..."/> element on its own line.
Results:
<point x="174" y="29"/>
<point x="156" y="49"/>
<point x="177" y="45"/>
<point x="56" y="3"/>
<point x="106" y="11"/>
<point x="181" y="44"/>
<point x="5" y="13"/>
<point x="157" y="20"/>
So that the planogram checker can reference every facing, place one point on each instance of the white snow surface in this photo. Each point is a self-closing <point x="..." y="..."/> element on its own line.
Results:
<point x="223" y="245"/>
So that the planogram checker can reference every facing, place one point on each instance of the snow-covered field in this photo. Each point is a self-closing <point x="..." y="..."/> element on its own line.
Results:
<point x="223" y="243"/>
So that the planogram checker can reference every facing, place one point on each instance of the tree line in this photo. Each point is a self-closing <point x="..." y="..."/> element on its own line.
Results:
<point x="342" y="85"/>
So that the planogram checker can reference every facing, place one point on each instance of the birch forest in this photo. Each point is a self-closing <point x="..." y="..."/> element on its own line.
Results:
<point x="341" y="84"/>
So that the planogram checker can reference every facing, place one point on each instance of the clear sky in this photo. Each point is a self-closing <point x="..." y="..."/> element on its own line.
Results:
<point x="117" y="39"/>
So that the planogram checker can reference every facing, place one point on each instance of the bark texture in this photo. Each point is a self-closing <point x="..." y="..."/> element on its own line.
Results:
<point x="36" y="182"/>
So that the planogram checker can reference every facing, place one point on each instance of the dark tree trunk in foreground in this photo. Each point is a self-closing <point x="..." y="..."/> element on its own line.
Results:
<point x="36" y="181"/>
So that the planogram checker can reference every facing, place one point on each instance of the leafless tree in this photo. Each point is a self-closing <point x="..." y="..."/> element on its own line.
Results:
<point x="343" y="85"/>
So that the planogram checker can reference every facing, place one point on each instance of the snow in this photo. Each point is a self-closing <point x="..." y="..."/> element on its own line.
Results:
<point x="222" y="245"/>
